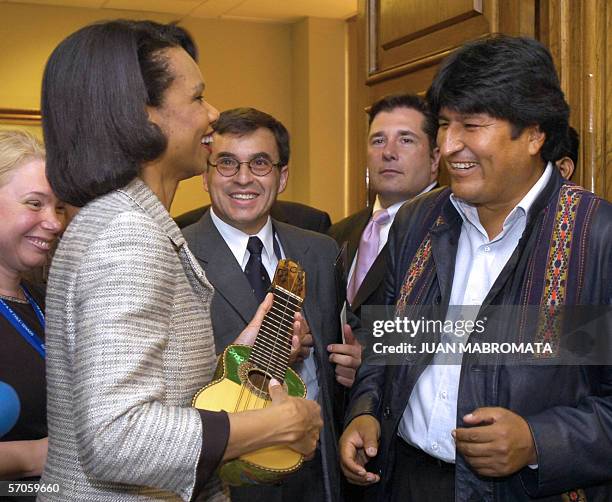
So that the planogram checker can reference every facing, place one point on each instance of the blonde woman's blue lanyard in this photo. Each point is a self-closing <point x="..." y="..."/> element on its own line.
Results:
<point x="22" y="328"/>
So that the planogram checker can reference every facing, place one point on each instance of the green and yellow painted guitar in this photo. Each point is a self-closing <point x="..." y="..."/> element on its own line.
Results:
<point x="243" y="373"/>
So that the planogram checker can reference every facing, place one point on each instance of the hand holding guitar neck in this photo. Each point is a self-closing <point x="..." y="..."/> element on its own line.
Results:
<point x="301" y="342"/>
<point x="249" y="334"/>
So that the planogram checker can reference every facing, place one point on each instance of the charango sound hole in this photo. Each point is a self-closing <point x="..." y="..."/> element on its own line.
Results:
<point x="255" y="379"/>
<point x="258" y="382"/>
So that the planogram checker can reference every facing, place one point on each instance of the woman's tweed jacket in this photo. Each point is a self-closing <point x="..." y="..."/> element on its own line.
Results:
<point x="129" y="342"/>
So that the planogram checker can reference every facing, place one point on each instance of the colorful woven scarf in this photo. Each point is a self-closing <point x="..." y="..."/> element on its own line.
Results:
<point x="565" y="231"/>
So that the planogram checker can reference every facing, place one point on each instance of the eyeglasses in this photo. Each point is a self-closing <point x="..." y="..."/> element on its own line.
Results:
<point x="229" y="166"/>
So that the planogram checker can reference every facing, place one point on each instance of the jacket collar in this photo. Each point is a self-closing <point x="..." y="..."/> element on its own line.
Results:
<point x="222" y="269"/>
<point x="294" y="246"/>
<point x="140" y="193"/>
<point x="358" y="226"/>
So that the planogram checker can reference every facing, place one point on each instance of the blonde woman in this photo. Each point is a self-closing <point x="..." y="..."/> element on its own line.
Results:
<point x="31" y="219"/>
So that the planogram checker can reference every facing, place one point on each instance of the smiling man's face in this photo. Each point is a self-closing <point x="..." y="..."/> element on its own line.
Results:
<point x="489" y="166"/>
<point x="244" y="200"/>
<point x="400" y="161"/>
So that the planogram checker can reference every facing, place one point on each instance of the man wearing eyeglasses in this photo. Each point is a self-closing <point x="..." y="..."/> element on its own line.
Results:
<point x="239" y="246"/>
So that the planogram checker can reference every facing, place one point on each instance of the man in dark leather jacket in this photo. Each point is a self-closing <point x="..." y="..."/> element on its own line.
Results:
<point x="510" y="232"/>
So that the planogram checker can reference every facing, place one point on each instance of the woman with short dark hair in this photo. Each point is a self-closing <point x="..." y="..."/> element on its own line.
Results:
<point x="128" y="331"/>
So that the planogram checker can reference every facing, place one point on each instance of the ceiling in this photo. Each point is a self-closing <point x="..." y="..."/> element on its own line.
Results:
<point x="279" y="11"/>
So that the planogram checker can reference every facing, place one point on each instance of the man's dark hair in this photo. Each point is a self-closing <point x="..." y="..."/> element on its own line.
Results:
<point x="508" y="78"/>
<point x="570" y="146"/>
<point x="96" y="87"/>
<point x="241" y="121"/>
<point x="410" y="101"/>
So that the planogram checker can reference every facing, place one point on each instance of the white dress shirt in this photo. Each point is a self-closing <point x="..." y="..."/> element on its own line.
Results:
<point x="431" y="413"/>
<point x="237" y="241"/>
<point x="384" y="229"/>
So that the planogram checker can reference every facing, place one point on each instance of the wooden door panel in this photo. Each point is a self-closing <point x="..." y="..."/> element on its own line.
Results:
<point x="416" y="82"/>
<point x="399" y="25"/>
<point x="432" y="43"/>
<point x="401" y="33"/>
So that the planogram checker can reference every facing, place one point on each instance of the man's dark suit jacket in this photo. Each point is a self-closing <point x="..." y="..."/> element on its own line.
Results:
<point x="349" y="230"/>
<point x="294" y="213"/>
<point x="234" y="304"/>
